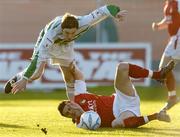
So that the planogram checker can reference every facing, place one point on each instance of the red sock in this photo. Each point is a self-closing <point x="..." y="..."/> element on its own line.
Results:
<point x="140" y="72"/>
<point x="133" y="122"/>
<point x="137" y="71"/>
<point x="156" y="75"/>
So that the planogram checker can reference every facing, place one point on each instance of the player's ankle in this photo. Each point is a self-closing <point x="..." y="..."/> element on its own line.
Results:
<point x="155" y="75"/>
<point x="172" y="97"/>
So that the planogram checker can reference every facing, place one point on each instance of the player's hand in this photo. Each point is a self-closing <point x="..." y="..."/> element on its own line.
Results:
<point x="154" y="26"/>
<point x="19" y="86"/>
<point x="121" y="15"/>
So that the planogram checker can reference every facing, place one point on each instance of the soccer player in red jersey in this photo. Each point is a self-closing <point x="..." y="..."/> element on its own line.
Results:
<point x="122" y="109"/>
<point x="171" y="22"/>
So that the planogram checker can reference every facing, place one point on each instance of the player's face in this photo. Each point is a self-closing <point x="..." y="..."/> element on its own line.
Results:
<point x="69" y="33"/>
<point x="72" y="110"/>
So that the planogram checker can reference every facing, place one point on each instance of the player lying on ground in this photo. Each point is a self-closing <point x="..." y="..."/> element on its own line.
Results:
<point x="171" y="22"/>
<point x="122" y="109"/>
<point x="55" y="43"/>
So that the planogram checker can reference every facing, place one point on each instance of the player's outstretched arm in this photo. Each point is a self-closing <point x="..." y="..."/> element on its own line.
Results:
<point x="102" y="13"/>
<point x="163" y="24"/>
<point x="116" y="12"/>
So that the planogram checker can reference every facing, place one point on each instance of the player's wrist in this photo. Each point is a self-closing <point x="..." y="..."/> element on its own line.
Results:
<point x="25" y="78"/>
<point x="113" y="10"/>
<point x="155" y="26"/>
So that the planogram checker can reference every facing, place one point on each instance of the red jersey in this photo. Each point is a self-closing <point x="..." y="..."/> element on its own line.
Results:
<point x="103" y="105"/>
<point x="173" y="16"/>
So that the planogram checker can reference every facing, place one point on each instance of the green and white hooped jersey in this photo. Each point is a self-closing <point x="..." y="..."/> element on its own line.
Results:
<point x="52" y="33"/>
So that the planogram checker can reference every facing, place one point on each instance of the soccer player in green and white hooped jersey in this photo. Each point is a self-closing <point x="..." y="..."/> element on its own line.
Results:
<point x="55" y="42"/>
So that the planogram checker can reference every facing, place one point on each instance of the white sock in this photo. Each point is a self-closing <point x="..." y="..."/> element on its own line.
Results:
<point x="150" y="74"/>
<point x="171" y="93"/>
<point x="146" y="120"/>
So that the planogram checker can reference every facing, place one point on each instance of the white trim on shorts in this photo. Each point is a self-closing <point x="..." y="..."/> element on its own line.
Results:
<point x="62" y="62"/>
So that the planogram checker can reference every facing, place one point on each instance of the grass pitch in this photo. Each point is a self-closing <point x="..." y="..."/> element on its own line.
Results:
<point x="28" y="114"/>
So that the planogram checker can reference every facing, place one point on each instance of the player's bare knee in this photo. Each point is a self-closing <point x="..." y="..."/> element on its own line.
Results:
<point x="123" y="66"/>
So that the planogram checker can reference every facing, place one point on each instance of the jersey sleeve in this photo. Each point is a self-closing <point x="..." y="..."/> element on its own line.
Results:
<point x="99" y="15"/>
<point x="80" y="87"/>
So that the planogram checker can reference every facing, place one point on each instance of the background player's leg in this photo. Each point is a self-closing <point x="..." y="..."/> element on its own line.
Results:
<point x="170" y="84"/>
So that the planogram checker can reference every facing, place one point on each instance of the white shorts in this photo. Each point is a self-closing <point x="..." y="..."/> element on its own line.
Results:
<point x="59" y="55"/>
<point x="173" y="47"/>
<point x="124" y="103"/>
<point x="62" y="62"/>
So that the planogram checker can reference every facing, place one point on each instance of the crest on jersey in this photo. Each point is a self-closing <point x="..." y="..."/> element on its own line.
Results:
<point x="82" y="102"/>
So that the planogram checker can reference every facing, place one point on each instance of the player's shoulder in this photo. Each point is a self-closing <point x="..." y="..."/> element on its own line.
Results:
<point x="58" y="18"/>
<point x="83" y="21"/>
<point x="56" y="23"/>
